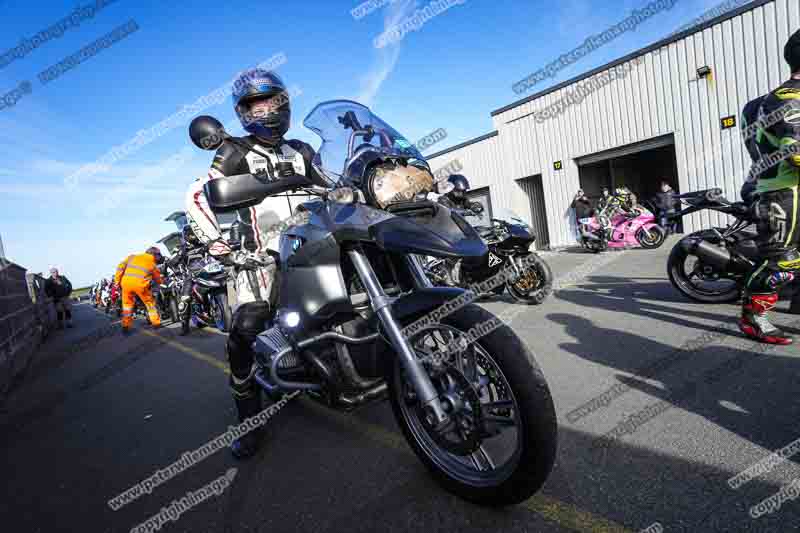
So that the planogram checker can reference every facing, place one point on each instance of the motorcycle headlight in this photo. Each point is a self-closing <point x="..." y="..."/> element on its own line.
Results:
<point x="389" y="185"/>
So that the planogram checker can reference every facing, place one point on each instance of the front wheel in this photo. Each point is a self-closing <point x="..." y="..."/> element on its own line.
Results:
<point x="174" y="315"/>
<point x="221" y="312"/>
<point x="651" y="239"/>
<point x="500" y="445"/>
<point x="186" y="320"/>
<point x="535" y="283"/>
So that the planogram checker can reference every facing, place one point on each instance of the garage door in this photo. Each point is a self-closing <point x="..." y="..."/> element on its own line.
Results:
<point x="614" y="153"/>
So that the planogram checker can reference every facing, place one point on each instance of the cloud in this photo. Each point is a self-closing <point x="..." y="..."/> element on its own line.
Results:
<point x="387" y="56"/>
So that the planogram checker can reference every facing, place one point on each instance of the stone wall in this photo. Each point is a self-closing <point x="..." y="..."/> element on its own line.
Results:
<point x="26" y="318"/>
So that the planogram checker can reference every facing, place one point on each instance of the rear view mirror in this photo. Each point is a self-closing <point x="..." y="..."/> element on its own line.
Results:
<point x="207" y="133"/>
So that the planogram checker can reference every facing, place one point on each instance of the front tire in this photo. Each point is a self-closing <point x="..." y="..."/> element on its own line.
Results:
<point x="540" y="276"/>
<point x="173" y="310"/>
<point x="656" y="237"/>
<point x="222" y="312"/>
<point x="186" y="321"/>
<point x="508" y="361"/>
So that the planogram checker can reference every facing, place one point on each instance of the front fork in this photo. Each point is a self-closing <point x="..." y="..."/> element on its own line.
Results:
<point x="381" y="303"/>
<point x="646" y="231"/>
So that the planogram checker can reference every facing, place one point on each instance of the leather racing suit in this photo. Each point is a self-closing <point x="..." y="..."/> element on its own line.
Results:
<point x="777" y="175"/>
<point x="256" y="290"/>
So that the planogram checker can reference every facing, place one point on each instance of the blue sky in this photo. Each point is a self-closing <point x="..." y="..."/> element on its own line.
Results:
<point x="451" y="73"/>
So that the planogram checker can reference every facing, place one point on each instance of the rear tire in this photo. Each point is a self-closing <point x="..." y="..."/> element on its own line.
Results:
<point x="679" y="279"/>
<point x="538" y="429"/>
<point x="595" y="246"/>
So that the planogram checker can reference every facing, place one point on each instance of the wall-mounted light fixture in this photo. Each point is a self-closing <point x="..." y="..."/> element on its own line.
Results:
<point x="703" y="72"/>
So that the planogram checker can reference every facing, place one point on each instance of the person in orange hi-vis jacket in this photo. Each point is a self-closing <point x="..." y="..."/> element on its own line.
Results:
<point x="134" y="275"/>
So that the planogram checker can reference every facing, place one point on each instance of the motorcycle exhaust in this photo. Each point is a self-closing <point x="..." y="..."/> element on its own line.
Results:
<point x="715" y="256"/>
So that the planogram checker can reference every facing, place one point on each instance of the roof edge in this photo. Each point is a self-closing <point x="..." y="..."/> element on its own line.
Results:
<point x="464" y="144"/>
<point x="646" y="50"/>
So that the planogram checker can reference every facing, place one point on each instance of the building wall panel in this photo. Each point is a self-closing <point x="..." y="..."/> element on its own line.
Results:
<point x="660" y="96"/>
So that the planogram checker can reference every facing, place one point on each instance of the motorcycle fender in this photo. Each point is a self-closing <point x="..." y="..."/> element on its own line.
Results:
<point x="422" y="301"/>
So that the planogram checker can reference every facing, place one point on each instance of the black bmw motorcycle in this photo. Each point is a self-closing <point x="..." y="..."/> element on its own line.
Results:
<point x="711" y="265"/>
<point x="167" y="296"/>
<point x="357" y="320"/>
<point x="208" y="306"/>
<point x="509" y="239"/>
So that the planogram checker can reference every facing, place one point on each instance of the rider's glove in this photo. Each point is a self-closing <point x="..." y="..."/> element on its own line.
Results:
<point x="251" y="261"/>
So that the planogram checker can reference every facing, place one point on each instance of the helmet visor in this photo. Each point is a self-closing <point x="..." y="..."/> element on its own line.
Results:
<point x="265" y="109"/>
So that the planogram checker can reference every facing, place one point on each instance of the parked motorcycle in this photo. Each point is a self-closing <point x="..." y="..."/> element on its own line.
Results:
<point x="209" y="304"/>
<point x="509" y="239"/>
<point x="114" y="304"/>
<point x="711" y="265"/>
<point x="352" y="323"/>
<point x="105" y="297"/>
<point x="167" y="298"/>
<point x="614" y="228"/>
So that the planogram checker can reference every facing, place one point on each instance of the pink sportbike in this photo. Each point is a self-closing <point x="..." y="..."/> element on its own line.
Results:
<point x="615" y="228"/>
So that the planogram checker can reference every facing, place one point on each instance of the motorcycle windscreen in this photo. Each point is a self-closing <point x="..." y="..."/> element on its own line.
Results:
<point x="245" y="190"/>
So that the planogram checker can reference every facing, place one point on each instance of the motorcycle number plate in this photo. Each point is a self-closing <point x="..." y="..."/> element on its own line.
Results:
<point x="494" y="260"/>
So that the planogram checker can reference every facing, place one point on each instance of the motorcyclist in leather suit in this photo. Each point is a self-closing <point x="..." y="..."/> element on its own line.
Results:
<point x="750" y="117"/>
<point x="778" y="205"/>
<point x="261" y="101"/>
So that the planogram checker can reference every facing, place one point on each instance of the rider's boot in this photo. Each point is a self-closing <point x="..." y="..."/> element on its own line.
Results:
<point x="248" y="321"/>
<point x="755" y="322"/>
<point x="794" y="307"/>
<point x="248" y="406"/>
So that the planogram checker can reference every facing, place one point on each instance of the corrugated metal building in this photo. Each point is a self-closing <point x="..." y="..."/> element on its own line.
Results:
<point x="661" y="118"/>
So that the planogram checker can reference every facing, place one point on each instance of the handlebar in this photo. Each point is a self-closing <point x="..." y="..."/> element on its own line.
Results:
<point x="713" y="199"/>
<point x="708" y="195"/>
